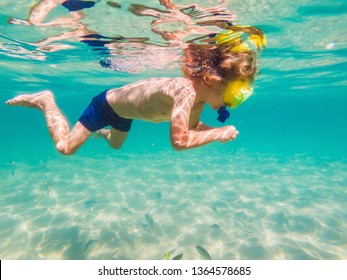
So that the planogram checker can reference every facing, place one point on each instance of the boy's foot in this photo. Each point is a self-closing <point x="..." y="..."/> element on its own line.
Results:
<point x="36" y="100"/>
<point x="104" y="133"/>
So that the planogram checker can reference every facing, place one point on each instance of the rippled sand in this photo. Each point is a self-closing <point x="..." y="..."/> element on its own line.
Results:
<point x="251" y="206"/>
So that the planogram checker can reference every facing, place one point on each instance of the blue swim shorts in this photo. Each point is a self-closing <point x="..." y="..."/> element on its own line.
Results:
<point x="100" y="114"/>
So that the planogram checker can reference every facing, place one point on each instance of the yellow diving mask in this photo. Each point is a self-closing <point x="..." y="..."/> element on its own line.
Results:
<point x="237" y="92"/>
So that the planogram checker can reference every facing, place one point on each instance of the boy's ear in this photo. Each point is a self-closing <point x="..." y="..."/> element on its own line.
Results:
<point x="207" y="79"/>
<point x="210" y="79"/>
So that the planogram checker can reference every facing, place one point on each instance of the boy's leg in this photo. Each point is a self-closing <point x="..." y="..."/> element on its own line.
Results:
<point x="74" y="139"/>
<point x="65" y="141"/>
<point x="114" y="137"/>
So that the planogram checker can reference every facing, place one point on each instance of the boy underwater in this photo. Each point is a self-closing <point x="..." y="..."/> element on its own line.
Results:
<point x="219" y="73"/>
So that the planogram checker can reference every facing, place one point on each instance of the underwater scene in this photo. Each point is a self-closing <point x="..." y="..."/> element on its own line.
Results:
<point x="278" y="192"/>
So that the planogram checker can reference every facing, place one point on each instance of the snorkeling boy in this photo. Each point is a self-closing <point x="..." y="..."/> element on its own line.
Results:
<point x="219" y="73"/>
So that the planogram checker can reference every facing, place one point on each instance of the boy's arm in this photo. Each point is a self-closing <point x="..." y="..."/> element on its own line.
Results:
<point x="183" y="138"/>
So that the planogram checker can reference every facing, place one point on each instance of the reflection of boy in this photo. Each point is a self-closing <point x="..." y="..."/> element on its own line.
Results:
<point x="39" y="12"/>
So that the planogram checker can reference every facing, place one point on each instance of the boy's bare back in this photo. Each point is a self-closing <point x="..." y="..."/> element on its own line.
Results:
<point x="154" y="100"/>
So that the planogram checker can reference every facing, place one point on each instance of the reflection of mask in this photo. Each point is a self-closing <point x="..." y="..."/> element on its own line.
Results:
<point x="237" y="92"/>
<point x="240" y="38"/>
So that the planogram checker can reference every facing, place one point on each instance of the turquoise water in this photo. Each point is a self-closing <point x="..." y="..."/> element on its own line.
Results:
<point x="278" y="192"/>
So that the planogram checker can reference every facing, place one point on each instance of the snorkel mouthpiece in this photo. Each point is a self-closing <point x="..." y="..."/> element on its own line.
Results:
<point x="223" y="114"/>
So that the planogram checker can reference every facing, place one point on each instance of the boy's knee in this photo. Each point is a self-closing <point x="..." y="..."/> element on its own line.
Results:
<point x="65" y="149"/>
<point x="116" y="146"/>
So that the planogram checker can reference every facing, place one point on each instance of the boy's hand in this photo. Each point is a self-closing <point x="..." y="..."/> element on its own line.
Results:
<point x="229" y="133"/>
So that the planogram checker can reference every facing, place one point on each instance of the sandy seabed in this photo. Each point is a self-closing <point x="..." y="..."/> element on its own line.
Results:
<point x="245" y="206"/>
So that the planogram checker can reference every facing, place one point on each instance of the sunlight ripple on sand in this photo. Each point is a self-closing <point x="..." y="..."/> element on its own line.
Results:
<point x="281" y="208"/>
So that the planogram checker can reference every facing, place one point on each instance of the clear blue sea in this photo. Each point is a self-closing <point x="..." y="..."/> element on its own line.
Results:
<point x="279" y="191"/>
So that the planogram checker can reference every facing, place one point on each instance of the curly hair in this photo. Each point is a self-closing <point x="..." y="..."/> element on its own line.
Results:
<point x="219" y="61"/>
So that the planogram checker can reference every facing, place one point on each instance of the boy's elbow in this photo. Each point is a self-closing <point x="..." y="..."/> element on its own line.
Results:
<point x="179" y="144"/>
<point x="179" y="147"/>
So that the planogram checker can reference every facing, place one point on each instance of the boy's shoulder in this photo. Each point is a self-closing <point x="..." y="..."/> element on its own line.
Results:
<point x="165" y="80"/>
<point x="176" y="86"/>
<point x="176" y="80"/>
<point x="162" y="82"/>
<point x="180" y="82"/>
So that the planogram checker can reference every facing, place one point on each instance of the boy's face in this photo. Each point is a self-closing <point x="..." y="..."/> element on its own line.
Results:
<point x="217" y="90"/>
<point x="229" y="93"/>
<point x="236" y="92"/>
